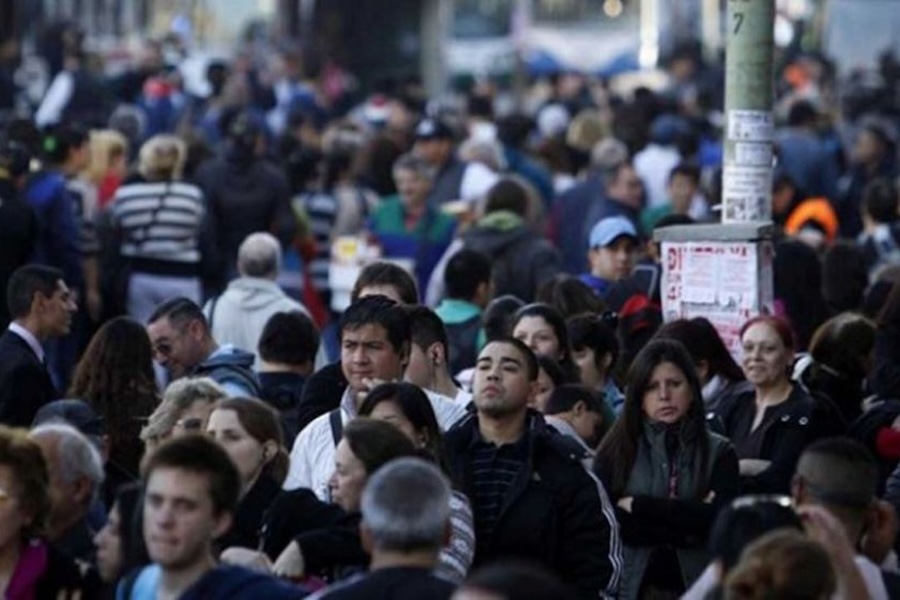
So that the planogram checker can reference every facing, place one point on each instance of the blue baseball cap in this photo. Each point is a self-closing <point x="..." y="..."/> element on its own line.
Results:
<point x="608" y="230"/>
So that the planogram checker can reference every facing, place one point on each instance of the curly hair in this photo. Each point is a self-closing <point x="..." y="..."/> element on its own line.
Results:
<point x="24" y="458"/>
<point x="115" y="376"/>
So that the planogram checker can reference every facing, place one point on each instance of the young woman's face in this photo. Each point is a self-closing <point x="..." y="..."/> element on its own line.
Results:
<point x="109" y="547"/>
<point x="537" y="334"/>
<point x="248" y="454"/>
<point x="389" y="411"/>
<point x="14" y="516"/>
<point x="545" y="388"/>
<point x="667" y="396"/>
<point x="765" y="359"/>
<point x="349" y="478"/>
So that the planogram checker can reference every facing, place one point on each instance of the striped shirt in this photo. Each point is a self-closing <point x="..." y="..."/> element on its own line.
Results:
<point x="494" y="469"/>
<point x="160" y="221"/>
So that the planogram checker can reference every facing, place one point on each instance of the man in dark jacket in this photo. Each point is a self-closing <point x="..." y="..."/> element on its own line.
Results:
<point x="183" y="344"/>
<point x="530" y="495"/>
<point x="245" y="193"/>
<point x="522" y="259"/>
<point x="41" y="307"/>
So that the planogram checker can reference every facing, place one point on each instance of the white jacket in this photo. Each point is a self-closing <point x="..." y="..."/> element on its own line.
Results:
<point x="240" y="313"/>
<point x="312" y="457"/>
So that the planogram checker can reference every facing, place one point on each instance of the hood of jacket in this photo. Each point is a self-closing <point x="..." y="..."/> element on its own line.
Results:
<point x="253" y="293"/>
<point x="496" y="232"/>
<point x="227" y="355"/>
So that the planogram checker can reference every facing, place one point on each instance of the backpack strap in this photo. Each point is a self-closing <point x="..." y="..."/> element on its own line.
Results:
<point x="337" y="425"/>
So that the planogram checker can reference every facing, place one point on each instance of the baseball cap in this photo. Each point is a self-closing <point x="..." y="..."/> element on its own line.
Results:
<point x="433" y="129"/>
<point x="608" y="230"/>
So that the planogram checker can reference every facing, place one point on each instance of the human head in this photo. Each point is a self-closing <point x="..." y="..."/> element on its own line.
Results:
<point x="185" y="408"/>
<point x="845" y="276"/>
<point x="582" y="408"/>
<point x="505" y="379"/>
<point x="120" y="545"/>
<point x="767" y="350"/>
<point x="708" y="351"/>
<point x="109" y="154"/>
<point x="429" y="353"/>
<point x="433" y="141"/>
<point x="289" y="338"/>
<point x="873" y="143"/>
<point x="80" y="415"/>
<point x="509" y="195"/>
<point x="180" y="336"/>
<point x="881" y="201"/>
<point x="75" y="469"/>
<point x="259" y="255"/>
<point x="845" y="343"/>
<point x="405" y="508"/>
<point x="162" y="158"/>
<point x="623" y="184"/>
<point x="365" y="447"/>
<point x="37" y="294"/>
<point x="407" y="407"/>
<point x="512" y="580"/>
<point x="386" y="279"/>
<point x="684" y="180"/>
<point x="250" y="431"/>
<point x="550" y="376"/>
<point x="375" y="341"/>
<point x="499" y="315"/>
<point x="782" y="564"/>
<point x="841" y="475"/>
<point x="595" y="347"/>
<point x="192" y="490"/>
<point x="542" y="328"/>
<point x="612" y="248"/>
<point x="413" y="178"/>
<point x="468" y="277"/>
<point x="746" y="519"/>
<point x="65" y="145"/>
<point x="570" y="296"/>
<point x="26" y="487"/>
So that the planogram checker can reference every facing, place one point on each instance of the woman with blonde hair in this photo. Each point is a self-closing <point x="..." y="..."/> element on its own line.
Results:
<point x="185" y="408"/>
<point x="109" y="162"/>
<point x="158" y="224"/>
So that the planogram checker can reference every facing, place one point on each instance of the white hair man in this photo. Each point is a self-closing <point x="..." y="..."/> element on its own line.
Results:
<point x="240" y="313"/>
<point x="405" y="523"/>
<point x="76" y="473"/>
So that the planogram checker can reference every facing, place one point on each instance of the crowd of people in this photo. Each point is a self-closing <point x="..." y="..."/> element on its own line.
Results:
<point x="189" y="409"/>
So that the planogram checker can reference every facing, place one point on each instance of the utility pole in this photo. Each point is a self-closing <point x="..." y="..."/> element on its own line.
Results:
<point x="749" y="125"/>
<point x="723" y="272"/>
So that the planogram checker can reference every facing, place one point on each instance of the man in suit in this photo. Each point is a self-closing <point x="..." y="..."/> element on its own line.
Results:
<point x="41" y="307"/>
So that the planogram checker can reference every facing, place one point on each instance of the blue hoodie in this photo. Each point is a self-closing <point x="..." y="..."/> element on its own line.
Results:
<point x="232" y="369"/>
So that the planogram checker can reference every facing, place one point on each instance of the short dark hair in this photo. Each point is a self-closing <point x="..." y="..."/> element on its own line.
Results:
<point x="507" y="194"/>
<point x="386" y="273"/>
<point x="531" y="361"/>
<point x="519" y="579"/>
<point x="27" y="281"/>
<point x="745" y="520"/>
<point x="199" y="454"/>
<point x="498" y="317"/>
<point x="465" y="271"/>
<point x="595" y="333"/>
<point x="289" y="338"/>
<point x="378" y="310"/>
<point x="427" y="328"/>
<point x="802" y="112"/>
<point x="376" y="443"/>
<point x="841" y="473"/>
<point x="57" y="141"/>
<point x="686" y="169"/>
<point x="180" y="311"/>
<point x="880" y="199"/>
<point x="564" y="397"/>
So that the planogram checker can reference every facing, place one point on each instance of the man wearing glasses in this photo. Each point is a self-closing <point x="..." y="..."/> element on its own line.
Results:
<point x="183" y="344"/>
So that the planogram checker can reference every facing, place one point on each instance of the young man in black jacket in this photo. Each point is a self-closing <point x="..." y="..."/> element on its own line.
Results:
<point x="530" y="495"/>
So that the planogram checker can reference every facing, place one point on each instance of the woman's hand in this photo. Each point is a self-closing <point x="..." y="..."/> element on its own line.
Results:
<point x="625" y="503"/>
<point x="290" y="563"/>
<point x="750" y="467"/>
<point x="824" y="528"/>
<point x="250" y="559"/>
